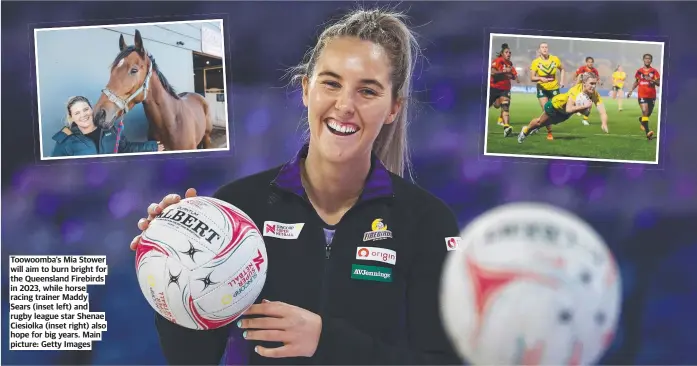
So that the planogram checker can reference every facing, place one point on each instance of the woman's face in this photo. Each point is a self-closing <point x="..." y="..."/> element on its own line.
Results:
<point x="590" y="85"/>
<point x="507" y="54"/>
<point x="647" y="60"/>
<point x="348" y="98"/>
<point x="81" y="114"/>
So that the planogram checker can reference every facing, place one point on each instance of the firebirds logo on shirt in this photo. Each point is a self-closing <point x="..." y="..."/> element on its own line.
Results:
<point x="378" y="231"/>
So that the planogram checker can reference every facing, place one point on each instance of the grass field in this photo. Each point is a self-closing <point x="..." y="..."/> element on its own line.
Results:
<point x="626" y="141"/>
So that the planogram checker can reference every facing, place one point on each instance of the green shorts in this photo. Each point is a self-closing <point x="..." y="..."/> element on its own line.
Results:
<point x="549" y="94"/>
<point x="555" y="116"/>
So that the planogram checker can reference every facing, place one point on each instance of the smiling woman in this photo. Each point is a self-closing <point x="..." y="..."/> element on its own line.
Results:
<point x="81" y="136"/>
<point x="330" y="297"/>
<point x="378" y="75"/>
<point x="349" y="98"/>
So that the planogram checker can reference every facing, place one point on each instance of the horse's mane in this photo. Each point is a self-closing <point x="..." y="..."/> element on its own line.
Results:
<point x="163" y="80"/>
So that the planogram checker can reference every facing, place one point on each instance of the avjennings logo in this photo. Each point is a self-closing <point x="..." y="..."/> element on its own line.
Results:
<point x="371" y="273"/>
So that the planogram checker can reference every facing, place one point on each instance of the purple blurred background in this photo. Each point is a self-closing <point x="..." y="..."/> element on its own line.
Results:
<point x="646" y="214"/>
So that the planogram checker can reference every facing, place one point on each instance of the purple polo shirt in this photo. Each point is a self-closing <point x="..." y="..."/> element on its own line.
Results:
<point x="378" y="184"/>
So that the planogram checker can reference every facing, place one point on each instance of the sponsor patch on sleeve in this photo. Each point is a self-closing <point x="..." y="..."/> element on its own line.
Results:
<point x="453" y="243"/>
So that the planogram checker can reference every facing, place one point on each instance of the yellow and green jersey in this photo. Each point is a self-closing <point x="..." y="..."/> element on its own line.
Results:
<point x="547" y="68"/>
<point x="559" y="101"/>
<point x="618" y="78"/>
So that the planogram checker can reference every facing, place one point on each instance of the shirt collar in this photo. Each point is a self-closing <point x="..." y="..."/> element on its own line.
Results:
<point x="76" y="130"/>
<point x="378" y="184"/>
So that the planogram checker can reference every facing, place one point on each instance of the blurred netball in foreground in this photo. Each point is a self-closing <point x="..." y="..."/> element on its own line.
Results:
<point x="532" y="284"/>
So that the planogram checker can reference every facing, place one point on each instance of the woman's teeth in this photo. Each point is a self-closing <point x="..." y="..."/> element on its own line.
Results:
<point x="337" y="127"/>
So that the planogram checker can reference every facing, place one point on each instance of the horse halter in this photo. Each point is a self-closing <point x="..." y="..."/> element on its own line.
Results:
<point x="123" y="103"/>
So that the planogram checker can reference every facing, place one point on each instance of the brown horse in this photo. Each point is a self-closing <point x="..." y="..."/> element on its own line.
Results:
<point x="178" y="121"/>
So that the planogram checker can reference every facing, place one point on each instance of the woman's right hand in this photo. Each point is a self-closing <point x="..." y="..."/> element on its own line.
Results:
<point x="155" y="209"/>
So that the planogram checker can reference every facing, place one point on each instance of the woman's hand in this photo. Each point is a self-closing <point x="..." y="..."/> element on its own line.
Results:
<point x="160" y="147"/>
<point x="298" y="329"/>
<point x="155" y="209"/>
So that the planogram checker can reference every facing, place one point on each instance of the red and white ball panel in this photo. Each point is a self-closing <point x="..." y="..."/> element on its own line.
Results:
<point x="531" y="284"/>
<point x="201" y="263"/>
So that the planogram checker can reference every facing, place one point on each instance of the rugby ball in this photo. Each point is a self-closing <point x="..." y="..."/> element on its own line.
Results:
<point x="530" y="284"/>
<point x="201" y="263"/>
<point x="581" y="99"/>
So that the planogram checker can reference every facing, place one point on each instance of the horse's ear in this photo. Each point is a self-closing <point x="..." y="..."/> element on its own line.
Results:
<point x="139" y="41"/>
<point x="122" y="43"/>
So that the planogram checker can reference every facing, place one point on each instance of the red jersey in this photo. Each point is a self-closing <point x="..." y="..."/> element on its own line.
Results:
<point x="502" y="82"/>
<point x="584" y="68"/>
<point x="643" y="76"/>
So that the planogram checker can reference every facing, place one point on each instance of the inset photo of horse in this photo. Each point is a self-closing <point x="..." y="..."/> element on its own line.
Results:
<point x="148" y="88"/>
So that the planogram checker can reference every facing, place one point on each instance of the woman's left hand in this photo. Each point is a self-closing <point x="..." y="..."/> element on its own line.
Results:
<point x="298" y="329"/>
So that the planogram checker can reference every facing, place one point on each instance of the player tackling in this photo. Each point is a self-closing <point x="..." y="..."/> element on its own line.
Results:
<point x="647" y="79"/>
<point x="563" y="106"/>
<point x="502" y="72"/>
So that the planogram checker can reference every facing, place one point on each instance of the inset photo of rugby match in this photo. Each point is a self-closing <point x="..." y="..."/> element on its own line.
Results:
<point x="131" y="89"/>
<point x="574" y="98"/>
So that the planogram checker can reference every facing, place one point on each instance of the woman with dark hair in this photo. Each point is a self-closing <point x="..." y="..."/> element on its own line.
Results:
<point x="647" y="79"/>
<point x="502" y="72"/>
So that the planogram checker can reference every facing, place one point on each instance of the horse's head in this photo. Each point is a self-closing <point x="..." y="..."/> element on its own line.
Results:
<point x="128" y="83"/>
